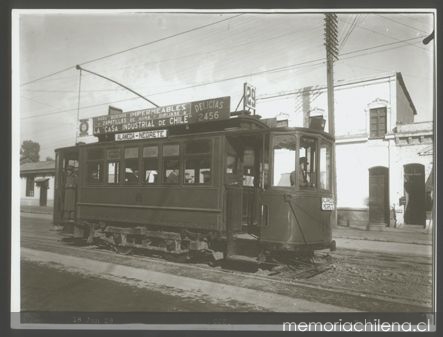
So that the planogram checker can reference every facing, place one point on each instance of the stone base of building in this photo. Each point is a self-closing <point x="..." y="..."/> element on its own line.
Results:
<point x="376" y="226"/>
<point x="35" y="202"/>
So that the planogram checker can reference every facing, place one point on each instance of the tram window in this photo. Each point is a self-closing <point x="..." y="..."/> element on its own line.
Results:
<point x="57" y="169"/>
<point x="248" y="167"/>
<point x="150" y="164"/>
<point x="113" y="156"/>
<point x="284" y="148"/>
<point x="307" y="162"/>
<point x="113" y="172"/>
<point x="231" y="168"/>
<point x="171" y="163"/>
<point x="95" y="166"/>
<point x="198" y="162"/>
<point x="198" y="171"/>
<point x="325" y="166"/>
<point x="131" y="165"/>
<point x="30" y="186"/>
<point x="234" y="175"/>
<point x="95" y="172"/>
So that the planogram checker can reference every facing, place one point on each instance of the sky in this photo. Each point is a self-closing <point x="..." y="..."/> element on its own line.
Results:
<point x="172" y="57"/>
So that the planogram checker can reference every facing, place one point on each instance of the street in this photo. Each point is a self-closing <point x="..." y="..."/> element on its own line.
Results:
<point x="46" y="288"/>
<point x="58" y="276"/>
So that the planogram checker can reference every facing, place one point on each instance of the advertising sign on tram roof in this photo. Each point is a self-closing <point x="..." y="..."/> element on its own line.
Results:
<point x="165" y="116"/>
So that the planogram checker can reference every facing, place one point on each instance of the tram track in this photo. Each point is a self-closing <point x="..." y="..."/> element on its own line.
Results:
<point x="283" y="283"/>
<point x="374" y="261"/>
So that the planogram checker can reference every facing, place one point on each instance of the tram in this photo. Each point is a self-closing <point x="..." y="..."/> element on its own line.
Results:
<point x="197" y="179"/>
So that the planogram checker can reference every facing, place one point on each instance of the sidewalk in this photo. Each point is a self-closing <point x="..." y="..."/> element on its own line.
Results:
<point x="399" y="235"/>
<point x="386" y="247"/>
<point x="36" y="209"/>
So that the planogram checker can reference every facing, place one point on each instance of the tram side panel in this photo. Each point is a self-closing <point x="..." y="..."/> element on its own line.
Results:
<point x="173" y="206"/>
<point x="180" y="206"/>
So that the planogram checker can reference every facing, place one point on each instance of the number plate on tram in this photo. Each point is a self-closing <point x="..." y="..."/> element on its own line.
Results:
<point x="327" y="204"/>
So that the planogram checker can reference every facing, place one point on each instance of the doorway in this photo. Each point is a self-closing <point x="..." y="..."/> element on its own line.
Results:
<point x="379" y="195"/>
<point x="415" y="193"/>
<point x="43" y="192"/>
<point x="242" y="178"/>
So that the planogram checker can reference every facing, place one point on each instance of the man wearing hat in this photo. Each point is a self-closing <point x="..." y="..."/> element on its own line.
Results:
<point x="303" y="178"/>
<point x="70" y="194"/>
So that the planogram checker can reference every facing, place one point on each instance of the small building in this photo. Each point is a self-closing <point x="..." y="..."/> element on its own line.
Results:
<point x="37" y="183"/>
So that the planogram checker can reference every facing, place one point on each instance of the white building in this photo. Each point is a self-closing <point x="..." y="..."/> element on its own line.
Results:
<point x="382" y="155"/>
<point x="37" y="183"/>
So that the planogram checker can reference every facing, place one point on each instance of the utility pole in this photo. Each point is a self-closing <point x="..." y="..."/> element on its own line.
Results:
<point x="331" y="44"/>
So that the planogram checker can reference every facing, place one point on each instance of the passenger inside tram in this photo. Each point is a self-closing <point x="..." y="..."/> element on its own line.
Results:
<point x="151" y="176"/>
<point x="172" y="176"/>
<point x="206" y="176"/>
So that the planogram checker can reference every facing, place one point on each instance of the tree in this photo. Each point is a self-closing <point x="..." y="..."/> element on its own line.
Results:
<point x="49" y="158"/>
<point x="29" y="152"/>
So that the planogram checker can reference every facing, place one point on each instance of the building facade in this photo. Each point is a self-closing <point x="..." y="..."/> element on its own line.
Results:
<point x="384" y="160"/>
<point x="37" y="183"/>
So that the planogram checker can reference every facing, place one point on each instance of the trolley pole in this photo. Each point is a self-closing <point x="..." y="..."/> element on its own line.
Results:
<point x="331" y="44"/>
<point x="78" y="105"/>
<point x="78" y="67"/>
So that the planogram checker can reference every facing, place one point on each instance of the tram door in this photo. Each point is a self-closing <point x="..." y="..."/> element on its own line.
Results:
<point x="66" y="186"/>
<point x="242" y="181"/>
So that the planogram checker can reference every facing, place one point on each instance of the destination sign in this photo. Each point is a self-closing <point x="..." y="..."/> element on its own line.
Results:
<point x="327" y="204"/>
<point x="141" y="135"/>
<point x="161" y="117"/>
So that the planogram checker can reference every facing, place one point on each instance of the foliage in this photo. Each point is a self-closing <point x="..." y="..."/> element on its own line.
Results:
<point x="29" y="152"/>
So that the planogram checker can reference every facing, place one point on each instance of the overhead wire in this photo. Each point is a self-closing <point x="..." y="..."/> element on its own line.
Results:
<point x="133" y="48"/>
<point x="202" y="54"/>
<point x="161" y="92"/>
<point x="235" y="46"/>
<point x="278" y="69"/>
<point x="345" y="58"/>
<point x="388" y="36"/>
<point x="403" y="24"/>
<point x="229" y="64"/>
<point x="351" y="27"/>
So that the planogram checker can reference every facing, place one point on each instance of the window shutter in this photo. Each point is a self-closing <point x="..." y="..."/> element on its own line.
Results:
<point x="377" y="122"/>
